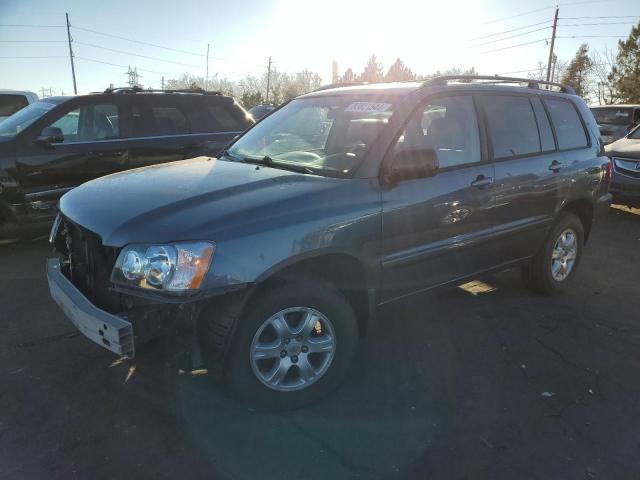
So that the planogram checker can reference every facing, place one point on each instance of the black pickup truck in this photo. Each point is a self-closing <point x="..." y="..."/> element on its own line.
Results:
<point x="58" y="143"/>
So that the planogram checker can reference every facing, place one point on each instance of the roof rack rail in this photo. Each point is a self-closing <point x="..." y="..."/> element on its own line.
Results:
<point x="150" y="90"/>
<point x="340" y="84"/>
<point x="531" y="83"/>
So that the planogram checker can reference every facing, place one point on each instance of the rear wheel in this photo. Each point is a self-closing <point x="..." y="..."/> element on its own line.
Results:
<point x="293" y="345"/>
<point x="555" y="264"/>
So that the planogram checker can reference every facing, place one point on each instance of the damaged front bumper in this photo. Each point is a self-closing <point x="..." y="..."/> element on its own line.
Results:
<point x="110" y="331"/>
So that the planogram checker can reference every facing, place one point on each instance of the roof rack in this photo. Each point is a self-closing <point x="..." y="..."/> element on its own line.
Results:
<point x="340" y="84"/>
<point x="531" y="83"/>
<point x="143" y="90"/>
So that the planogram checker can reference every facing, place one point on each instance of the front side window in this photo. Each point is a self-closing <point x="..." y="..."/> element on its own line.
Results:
<point x="512" y="126"/>
<point x="327" y="134"/>
<point x="569" y="130"/>
<point x="447" y="125"/>
<point x="89" y="123"/>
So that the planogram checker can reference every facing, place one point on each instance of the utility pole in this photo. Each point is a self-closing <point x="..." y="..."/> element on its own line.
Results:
<point x="553" y="40"/>
<point x="266" y="100"/>
<point x="162" y="83"/>
<point x="553" y="69"/>
<point x="73" y="68"/>
<point x="206" y="79"/>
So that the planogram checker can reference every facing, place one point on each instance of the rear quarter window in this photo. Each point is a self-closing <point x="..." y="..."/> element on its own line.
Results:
<point x="569" y="129"/>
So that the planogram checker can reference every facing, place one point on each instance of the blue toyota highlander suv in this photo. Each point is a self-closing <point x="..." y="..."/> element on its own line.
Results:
<point x="277" y="253"/>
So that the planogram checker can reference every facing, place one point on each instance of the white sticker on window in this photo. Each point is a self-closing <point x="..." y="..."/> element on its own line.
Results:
<point x="368" y="107"/>
<point x="622" y="114"/>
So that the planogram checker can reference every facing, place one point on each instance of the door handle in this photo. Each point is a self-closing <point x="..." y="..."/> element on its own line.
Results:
<point x="556" y="166"/>
<point x="481" y="181"/>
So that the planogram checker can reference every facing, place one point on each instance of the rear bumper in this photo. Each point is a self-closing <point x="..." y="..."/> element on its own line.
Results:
<point x="109" y="331"/>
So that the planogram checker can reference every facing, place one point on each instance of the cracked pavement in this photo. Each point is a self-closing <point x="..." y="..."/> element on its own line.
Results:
<point x="449" y="385"/>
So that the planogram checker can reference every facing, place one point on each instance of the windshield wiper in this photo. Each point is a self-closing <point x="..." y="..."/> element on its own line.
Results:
<point x="270" y="162"/>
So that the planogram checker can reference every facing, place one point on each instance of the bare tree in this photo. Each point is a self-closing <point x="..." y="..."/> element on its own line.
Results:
<point x="602" y="88"/>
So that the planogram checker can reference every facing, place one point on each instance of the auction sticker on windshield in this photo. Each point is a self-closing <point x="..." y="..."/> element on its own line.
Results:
<point x="368" y="107"/>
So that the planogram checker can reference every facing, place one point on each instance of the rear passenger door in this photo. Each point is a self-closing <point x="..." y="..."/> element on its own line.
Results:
<point x="159" y="131"/>
<point x="529" y="184"/>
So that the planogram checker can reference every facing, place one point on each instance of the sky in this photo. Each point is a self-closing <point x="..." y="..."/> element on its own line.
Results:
<point x="297" y="35"/>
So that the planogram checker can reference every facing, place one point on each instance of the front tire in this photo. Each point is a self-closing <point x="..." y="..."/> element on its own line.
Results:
<point x="555" y="264"/>
<point x="293" y="345"/>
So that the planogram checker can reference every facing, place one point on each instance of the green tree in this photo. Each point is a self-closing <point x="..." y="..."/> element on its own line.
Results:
<point x="372" y="71"/>
<point x="625" y="75"/>
<point x="577" y="73"/>
<point x="251" y="99"/>
<point x="399" y="72"/>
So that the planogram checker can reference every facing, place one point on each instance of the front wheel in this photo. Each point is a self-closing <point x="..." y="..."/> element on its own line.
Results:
<point x="293" y="345"/>
<point x="555" y="264"/>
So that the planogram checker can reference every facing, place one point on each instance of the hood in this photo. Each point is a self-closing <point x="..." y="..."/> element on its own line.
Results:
<point x="625" y="147"/>
<point x="200" y="198"/>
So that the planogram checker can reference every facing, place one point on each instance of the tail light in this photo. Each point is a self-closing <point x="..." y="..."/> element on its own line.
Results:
<point x="609" y="173"/>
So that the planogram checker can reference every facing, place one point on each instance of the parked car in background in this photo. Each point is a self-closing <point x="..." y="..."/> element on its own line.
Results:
<point x="259" y="111"/>
<point x="625" y="158"/>
<point x="58" y="143"/>
<point x="13" y="100"/>
<point x="615" y="121"/>
<point x="279" y="252"/>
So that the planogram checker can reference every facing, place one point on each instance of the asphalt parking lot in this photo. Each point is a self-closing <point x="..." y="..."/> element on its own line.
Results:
<point x="502" y="384"/>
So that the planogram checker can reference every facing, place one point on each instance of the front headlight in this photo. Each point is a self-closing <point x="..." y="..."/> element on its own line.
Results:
<point x="175" y="267"/>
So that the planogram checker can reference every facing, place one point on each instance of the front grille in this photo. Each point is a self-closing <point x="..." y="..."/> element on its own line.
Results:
<point x="88" y="264"/>
<point x="627" y="166"/>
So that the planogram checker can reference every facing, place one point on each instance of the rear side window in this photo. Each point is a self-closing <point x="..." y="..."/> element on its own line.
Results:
<point x="569" y="130"/>
<point x="544" y="127"/>
<point x="222" y="119"/>
<point x="151" y="121"/>
<point x="513" y="130"/>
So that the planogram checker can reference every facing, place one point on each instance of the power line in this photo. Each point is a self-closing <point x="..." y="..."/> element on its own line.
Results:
<point x="33" y="41"/>
<point x="593" y="36"/>
<point x="587" y="18"/>
<point x="134" y="54"/>
<point x="510" y="31"/>
<point x="511" y="36"/>
<point x="529" y="12"/>
<point x="30" y="25"/>
<point x="595" y="24"/>
<point x="513" y="46"/>
<point x="140" y="42"/>
<point x="117" y="65"/>
<point x="37" y="56"/>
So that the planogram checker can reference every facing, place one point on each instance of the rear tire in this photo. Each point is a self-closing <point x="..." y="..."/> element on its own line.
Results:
<point x="316" y="359"/>
<point x="555" y="264"/>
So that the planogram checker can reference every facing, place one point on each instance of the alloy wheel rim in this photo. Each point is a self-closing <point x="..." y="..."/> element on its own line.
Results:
<point x="292" y="349"/>
<point x="563" y="255"/>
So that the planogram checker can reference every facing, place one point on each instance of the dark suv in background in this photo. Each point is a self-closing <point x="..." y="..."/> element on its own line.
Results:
<point x="58" y="143"/>
<point x="278" y="252"/>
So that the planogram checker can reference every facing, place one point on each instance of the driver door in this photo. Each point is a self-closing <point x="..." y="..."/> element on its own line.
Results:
<point x="92" y="147"/>
<point x="434" y="228"/>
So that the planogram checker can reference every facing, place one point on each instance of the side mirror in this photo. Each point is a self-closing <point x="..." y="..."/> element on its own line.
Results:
<point x="410" y="164"/>
<point x="50" y="135"/>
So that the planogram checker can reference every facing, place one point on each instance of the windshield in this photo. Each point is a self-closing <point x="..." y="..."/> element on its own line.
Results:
<point x="613" y="116"/>
<point x="328" y="135"/>
<point x="23" y="118"/>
